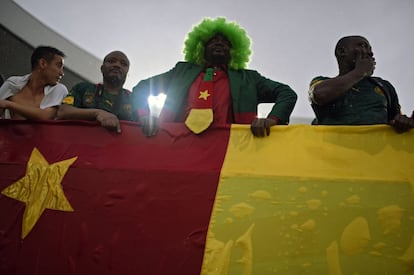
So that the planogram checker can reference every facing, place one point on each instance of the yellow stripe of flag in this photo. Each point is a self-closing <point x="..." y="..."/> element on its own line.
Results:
<point x="314" y="200"/>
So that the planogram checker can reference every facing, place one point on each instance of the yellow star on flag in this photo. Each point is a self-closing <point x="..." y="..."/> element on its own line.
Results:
<point x="204" y="95"/>
<point x="40" y="188"/>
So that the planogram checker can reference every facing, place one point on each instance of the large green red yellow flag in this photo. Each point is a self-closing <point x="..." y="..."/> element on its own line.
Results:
<point x="77" y="199"/>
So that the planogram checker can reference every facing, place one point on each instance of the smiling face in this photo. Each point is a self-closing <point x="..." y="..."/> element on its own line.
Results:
<point x="115" y="68"/>
<point x="217" y="50"/>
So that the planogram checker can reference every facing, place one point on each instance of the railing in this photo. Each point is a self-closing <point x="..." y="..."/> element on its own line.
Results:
<point x="78" y="199"/>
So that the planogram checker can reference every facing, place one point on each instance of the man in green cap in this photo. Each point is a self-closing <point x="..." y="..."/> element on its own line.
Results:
<point x="213" y="87"/>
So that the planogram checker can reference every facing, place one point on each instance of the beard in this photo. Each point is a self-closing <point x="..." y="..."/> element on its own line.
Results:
<point x="114" y="80"/>
<point x="220" y="59"/>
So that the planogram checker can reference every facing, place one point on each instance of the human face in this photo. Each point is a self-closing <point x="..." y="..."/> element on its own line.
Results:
<point x="115" y="68"/>
<point x="53" y="70"/>
<point x="356" y="46"/>
<point x="217" y="50"/>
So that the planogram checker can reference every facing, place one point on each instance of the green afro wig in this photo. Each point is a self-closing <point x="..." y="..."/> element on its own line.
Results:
<point x="200" y="34"/>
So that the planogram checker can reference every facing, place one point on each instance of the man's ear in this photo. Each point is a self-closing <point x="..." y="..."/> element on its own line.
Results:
<point x="341" y="52"/>
<point x="42" y="63"/>
<point x="101" y="68"/>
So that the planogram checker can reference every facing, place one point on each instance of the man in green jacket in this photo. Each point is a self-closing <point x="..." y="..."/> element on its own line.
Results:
<point x="354" y="96"/>
<point x="213" y="87"/>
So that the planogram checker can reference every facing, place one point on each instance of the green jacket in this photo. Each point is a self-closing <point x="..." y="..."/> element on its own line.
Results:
<point x="248" y="88"/>
<point x="370" y="101"/>
<point x="89" y="95"/>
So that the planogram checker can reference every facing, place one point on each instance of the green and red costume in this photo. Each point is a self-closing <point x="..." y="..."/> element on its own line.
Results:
<point x="234" y="93"/>
<point x="247" y="89"/>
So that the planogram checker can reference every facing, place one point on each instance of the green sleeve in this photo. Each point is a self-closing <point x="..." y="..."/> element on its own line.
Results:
<point x="77" y="93"/>
<point x="175" y="83"/>
<point x="283" y="97"/>
<point x="317" y="79"/>
<point x="151" y="86"/>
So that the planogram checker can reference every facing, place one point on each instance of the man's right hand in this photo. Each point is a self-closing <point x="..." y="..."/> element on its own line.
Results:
<point x="108" y="120"/>
<point x="364" y="63"/>
<point x="149" y="125"/>
<point x="260" y="127"/>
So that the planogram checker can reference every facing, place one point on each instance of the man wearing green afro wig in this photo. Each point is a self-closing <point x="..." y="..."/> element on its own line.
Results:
<point x="213" y="86"/>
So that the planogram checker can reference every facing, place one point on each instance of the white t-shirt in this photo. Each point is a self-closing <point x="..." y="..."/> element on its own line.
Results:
<point x="53" y="94"/>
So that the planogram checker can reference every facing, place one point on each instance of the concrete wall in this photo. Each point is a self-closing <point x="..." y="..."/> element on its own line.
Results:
<point x="15" y="58"/>
<point x="20" y="33"/>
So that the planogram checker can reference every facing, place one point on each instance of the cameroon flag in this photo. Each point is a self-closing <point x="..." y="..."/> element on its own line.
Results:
<point x="78" y="199"/>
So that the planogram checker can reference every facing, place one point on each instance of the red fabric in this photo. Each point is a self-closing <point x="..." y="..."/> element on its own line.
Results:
<point x="244" y="118"/>
<point x="142" y="205"/>
<point x="223" y="113"/>
<point x="200" y="86"/>
<point x="222" y="102"/>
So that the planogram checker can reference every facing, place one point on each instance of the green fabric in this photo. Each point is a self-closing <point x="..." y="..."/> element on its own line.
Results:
<point x="248" y="88"/>
<point x="364" y="104"/>
<point x="209" y="74"/>
<point x="393" y="107"/>
<point x="85" y="95"/>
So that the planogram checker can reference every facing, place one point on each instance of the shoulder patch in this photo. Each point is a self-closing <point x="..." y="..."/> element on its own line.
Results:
<point x="68" y="100"/>
<point x="379" y="91"/>
<point x="315" y="82"/>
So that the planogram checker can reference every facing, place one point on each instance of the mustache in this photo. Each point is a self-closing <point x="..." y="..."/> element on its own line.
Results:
<point x="116" y="70"/>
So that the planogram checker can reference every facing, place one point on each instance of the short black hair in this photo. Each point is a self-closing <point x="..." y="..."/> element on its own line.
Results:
<point x="343" y="42"/>
<point x="1" y="80"/>
<point x="45" y="52"/>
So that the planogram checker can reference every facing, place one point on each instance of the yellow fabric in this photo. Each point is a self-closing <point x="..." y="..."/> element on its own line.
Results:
<point x="312" y="87"/>
<point x="204" y="95"/>
<point x="68" y="100"/>
<point x="314" y="200"/>
<point x="199" y="120"/>
<point x="40" y="188"/>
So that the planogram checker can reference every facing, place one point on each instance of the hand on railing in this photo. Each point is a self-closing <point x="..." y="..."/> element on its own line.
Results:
<point x="108" y="120"/>
<point x="260" y="127"/>
<point x="149" y="125"/>
<point x="402" y="123"/>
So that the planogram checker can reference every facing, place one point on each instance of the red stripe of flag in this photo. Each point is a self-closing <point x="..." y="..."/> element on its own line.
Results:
<point x="142" y="205"/>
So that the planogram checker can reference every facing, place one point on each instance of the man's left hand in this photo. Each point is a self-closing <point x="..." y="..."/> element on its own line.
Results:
<point x="402" y="123"/>
<point x="3" y="103"/>
<point x="260" y="127"/>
